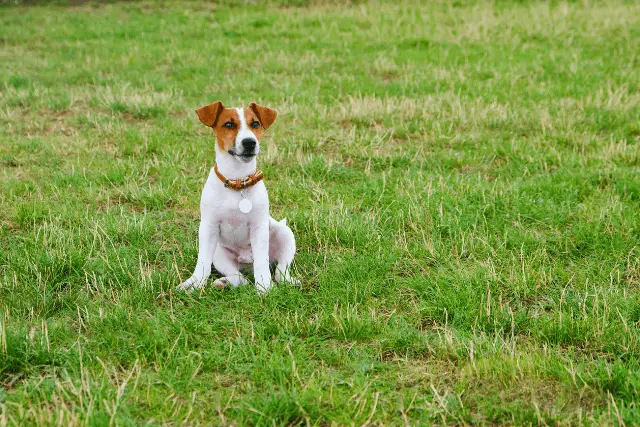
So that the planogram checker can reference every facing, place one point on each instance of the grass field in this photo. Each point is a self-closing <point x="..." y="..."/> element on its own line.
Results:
<point x="463" y="180"/>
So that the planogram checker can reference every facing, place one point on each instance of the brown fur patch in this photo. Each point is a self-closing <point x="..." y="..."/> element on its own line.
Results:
<point x="250" y="116"/>
<point x="266" y="116"/>
<point x="225" y="137"/>
<point x="208" y="114"/>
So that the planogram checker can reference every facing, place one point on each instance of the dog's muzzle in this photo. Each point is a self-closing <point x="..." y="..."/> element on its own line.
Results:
<point x="249" y="150"/>
<point x="249" y="145"/>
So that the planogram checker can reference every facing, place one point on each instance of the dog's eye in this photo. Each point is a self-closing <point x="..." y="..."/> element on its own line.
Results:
<point x="229" y="125"/>
<point x="255" y="124"/>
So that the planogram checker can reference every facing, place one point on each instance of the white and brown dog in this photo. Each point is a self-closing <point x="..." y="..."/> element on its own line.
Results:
<point x="235" y="225"/>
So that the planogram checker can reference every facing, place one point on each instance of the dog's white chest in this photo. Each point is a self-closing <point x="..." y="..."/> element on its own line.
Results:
<point x="234" y="233"/>
<point x="234" y="224"/>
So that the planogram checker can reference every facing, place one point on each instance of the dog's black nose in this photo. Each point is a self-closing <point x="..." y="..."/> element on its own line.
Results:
<point x="249" y="144"/>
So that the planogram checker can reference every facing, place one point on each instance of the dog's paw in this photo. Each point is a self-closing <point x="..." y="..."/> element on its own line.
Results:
<point x="263" y="288"/>
<point x="191" y="284"/>
<point x="221" y="283"/>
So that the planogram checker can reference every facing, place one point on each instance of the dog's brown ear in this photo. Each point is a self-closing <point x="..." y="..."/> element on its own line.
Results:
<point x="209" y="113"/>
<point x="266" y="115"/>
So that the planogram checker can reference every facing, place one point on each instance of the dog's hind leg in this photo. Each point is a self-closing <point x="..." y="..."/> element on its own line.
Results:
<point x="282" y="248"/>
<point x="226" y="263"/>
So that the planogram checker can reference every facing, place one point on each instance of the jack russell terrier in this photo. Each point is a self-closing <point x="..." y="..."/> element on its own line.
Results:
<point x="235" y="225"/>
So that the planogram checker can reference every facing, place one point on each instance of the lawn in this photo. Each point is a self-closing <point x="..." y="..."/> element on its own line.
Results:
<point x="463" y="180"/>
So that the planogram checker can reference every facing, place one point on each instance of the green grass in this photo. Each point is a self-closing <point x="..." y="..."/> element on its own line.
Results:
<point x="463" y="180"/>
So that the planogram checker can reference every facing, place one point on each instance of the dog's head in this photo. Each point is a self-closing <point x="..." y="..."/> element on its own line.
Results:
<point x="237" y="130"/>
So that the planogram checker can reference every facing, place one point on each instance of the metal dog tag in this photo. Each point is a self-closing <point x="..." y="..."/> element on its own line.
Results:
<point x="245" y="205"/>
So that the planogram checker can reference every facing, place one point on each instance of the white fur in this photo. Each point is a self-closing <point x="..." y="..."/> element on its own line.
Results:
<point x="229" y="238"/>
<point x="244" y="132"/>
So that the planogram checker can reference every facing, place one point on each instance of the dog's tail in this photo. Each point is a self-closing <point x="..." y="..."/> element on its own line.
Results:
<point x="274" y="223"/>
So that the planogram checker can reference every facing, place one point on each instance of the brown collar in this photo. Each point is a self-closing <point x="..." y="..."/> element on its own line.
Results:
<point x="240" y="184"/>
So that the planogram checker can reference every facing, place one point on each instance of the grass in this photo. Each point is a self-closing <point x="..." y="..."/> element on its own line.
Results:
<point x="462" y="179"/>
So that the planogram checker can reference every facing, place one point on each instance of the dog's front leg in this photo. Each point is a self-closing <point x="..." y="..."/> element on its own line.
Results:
<point x="207" y="243"/>
<point x="260" y="250"/>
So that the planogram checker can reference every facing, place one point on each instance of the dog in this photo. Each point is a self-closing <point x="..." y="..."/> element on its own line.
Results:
<point x="235" y="226"/>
